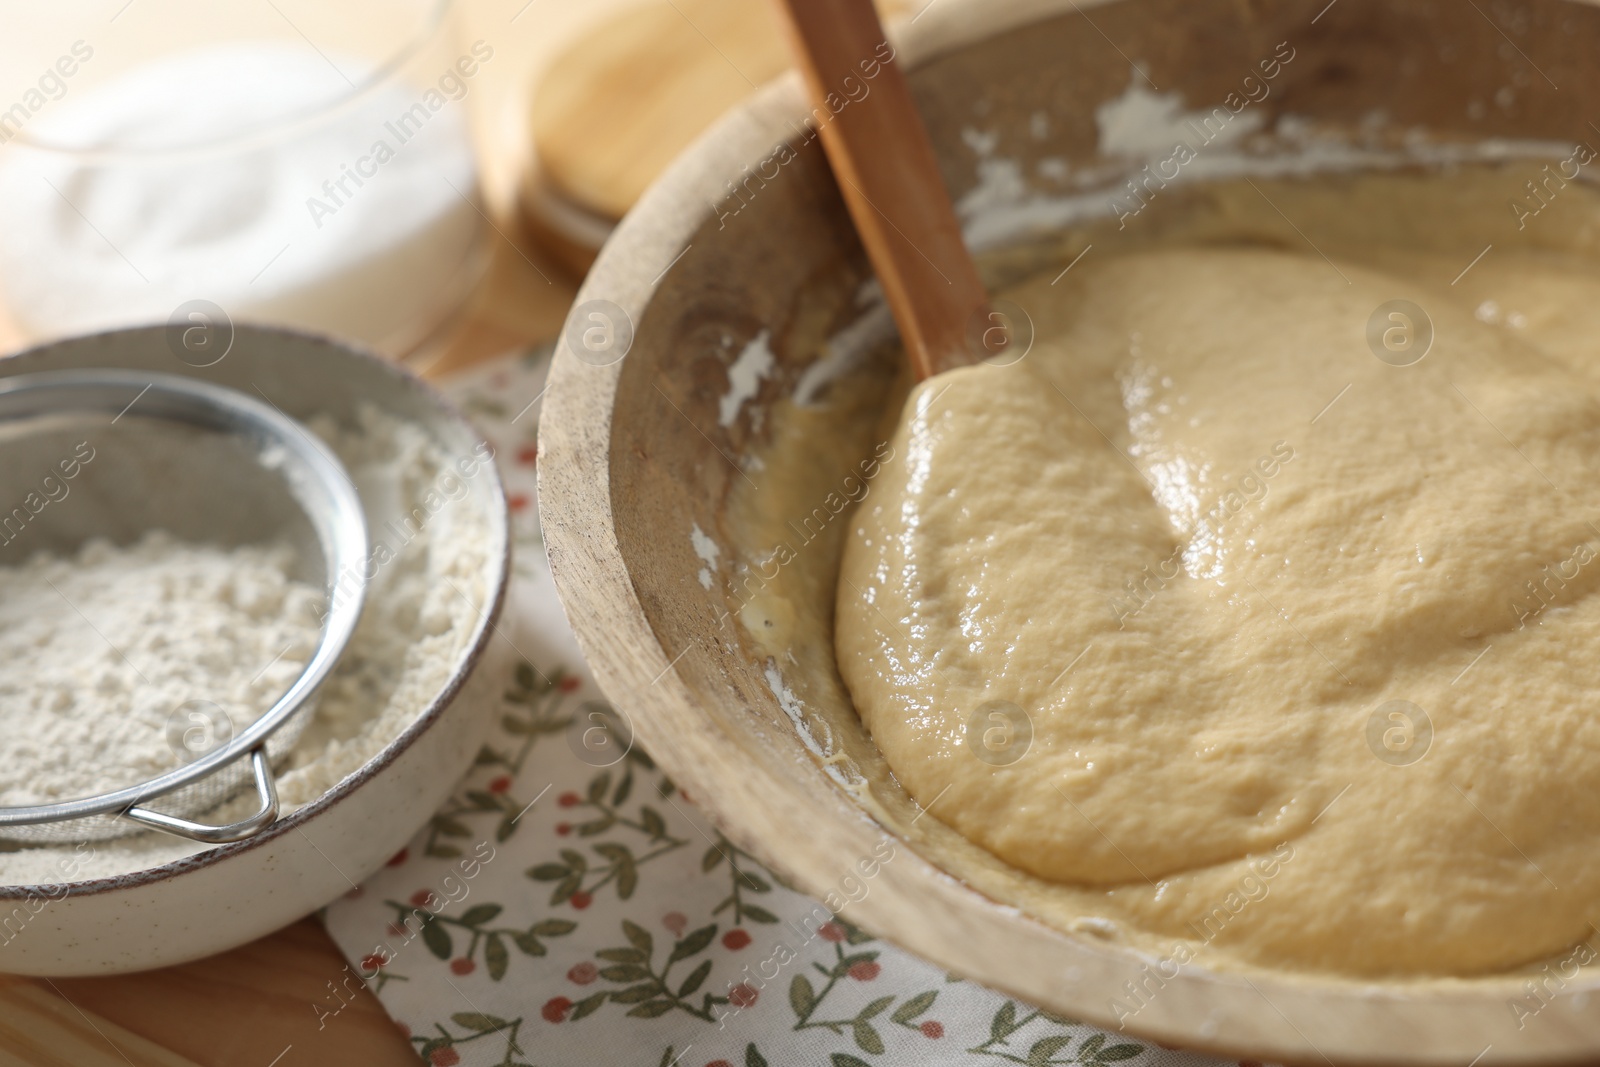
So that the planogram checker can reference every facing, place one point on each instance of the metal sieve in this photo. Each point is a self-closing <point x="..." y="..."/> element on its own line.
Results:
<point x="272" y="446"/>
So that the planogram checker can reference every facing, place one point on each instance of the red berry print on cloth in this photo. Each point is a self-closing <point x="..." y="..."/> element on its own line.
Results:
<point x="816" y="1008"/>
<point x="864" y="972"/>
<point x="635" y="833"/>
<point x="465" y="934"/>
<point x="679" y="949"/>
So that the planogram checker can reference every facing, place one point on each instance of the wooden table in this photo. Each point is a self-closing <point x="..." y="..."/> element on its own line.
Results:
<point x="254" y="1006"/>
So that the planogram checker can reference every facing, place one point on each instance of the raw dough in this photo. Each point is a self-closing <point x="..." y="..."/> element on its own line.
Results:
<point x="1202" y="537"/>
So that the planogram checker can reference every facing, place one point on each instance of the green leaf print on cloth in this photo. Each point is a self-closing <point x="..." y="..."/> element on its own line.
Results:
<point x="558" y="914"/>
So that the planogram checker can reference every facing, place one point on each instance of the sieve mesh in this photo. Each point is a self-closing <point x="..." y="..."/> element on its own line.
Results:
<point x="315" y="480"/>
<point x="204" y="800"/>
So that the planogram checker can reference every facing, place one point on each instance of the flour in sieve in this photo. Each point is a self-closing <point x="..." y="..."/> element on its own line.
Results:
<point x="431" y="544"/>
<point x="100" y="651"/>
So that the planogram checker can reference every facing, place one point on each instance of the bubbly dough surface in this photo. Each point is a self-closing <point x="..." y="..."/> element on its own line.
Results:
<point x="1201" y="536"/>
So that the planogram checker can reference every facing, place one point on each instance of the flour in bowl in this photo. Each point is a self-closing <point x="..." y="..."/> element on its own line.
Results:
<point x="103" y="655"/>
<point x="431" y="538"/>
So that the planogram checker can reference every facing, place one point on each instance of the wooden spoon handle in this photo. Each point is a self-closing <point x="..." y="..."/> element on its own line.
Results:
<point x="889" y="177"/>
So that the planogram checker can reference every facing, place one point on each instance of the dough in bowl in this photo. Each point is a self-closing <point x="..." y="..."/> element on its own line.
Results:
<point x="1216" y="576"/>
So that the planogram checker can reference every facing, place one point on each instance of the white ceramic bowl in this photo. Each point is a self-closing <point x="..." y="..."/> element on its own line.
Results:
<point x="230" y="894"/>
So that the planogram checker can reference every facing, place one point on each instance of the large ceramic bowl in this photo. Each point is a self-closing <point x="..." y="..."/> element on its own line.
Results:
<point x="746" y="233"/>
<point x="224" y="896"/>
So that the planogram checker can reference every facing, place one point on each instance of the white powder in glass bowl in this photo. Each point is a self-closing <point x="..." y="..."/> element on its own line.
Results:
<point x="426" y="591"/>
<point x="360" y="222"/>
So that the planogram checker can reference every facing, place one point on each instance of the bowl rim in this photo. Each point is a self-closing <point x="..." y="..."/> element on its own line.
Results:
<point x="467" y="661"/>
<point x="432" y="22"/>
<point x="1219" y="1012"/>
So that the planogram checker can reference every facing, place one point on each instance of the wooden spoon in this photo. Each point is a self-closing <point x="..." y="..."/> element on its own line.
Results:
<point x="890" y="181"/>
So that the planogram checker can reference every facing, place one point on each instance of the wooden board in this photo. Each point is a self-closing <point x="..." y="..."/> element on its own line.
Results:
<point x="255" y="1005"/>
<point x="630" y="93"/>
<point x="623" y="100"/>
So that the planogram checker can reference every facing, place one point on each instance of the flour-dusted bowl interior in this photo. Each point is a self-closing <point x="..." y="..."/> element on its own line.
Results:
<point x="396" y="724"/>
<point x="746" y="291"/>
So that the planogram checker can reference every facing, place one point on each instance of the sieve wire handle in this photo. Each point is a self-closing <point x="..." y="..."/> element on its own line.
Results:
<point x="233" y="831"/>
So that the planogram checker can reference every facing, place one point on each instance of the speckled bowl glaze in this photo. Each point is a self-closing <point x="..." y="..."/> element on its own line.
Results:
<point x="227" y="895"/>
<point x="743" y="235"/>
